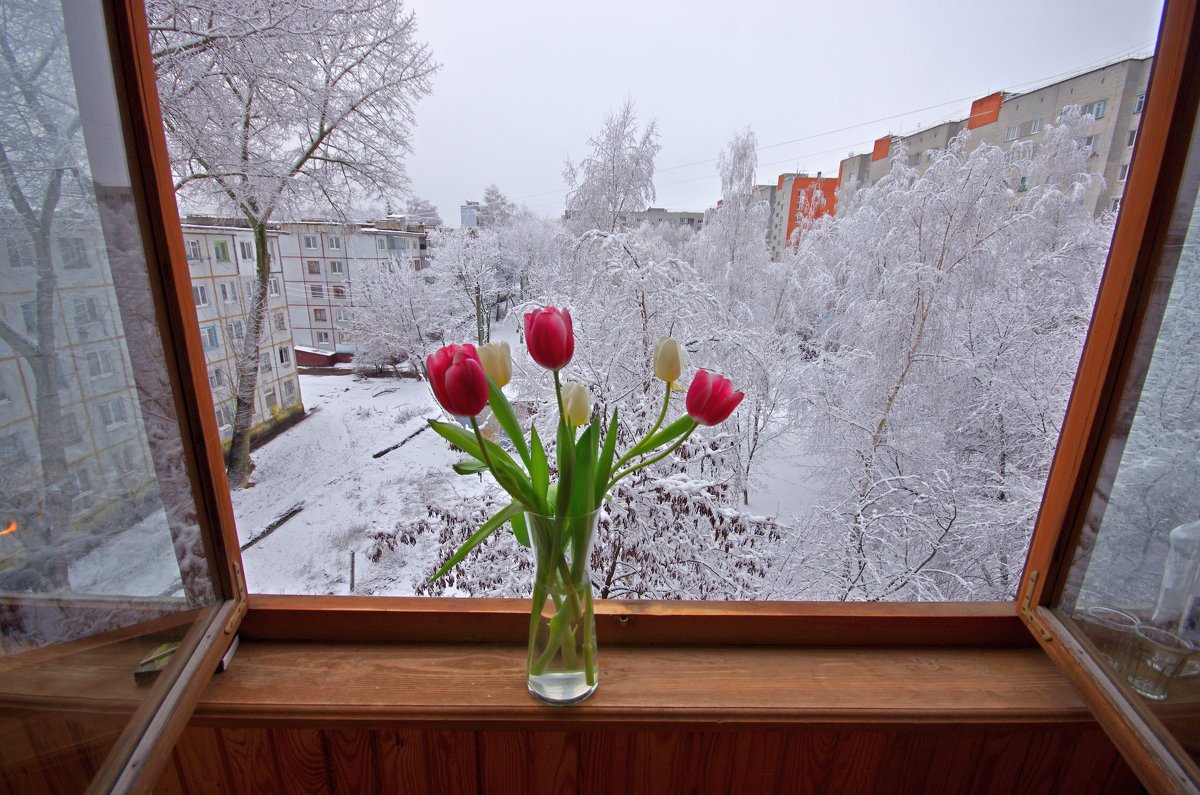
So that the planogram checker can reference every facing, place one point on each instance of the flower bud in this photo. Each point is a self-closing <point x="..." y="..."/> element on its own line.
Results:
<point x="497" y="362"/>
<point x="577" y="404"/>
<point x="711" y="399"/>
<point x="668" y="359"/>
<point x="458" y="380"/>
<point x="549" y="336"/>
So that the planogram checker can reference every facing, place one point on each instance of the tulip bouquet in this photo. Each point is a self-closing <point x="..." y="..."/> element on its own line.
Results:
<point x="558" y="519"/>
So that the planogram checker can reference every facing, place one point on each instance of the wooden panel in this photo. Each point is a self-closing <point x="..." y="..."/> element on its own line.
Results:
<point x="521" y="762"/>
<point x="302" y="762"/>
<point x="353" y="762"/>
<point x="251" y="760"/>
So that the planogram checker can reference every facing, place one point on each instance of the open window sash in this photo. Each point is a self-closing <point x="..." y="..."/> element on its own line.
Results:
<point x="1116" y="488"/>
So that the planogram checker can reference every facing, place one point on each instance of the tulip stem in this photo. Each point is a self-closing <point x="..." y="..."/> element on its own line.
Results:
<point x="562" y="415"/>
<point x="650" y="461"/>
<point x="487" y="460"/>
<point x="662" y="415"/>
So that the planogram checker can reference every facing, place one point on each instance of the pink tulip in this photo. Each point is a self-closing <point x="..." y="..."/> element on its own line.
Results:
<point x="549" y="336"/>
<point x="711" y="399"/>
<point x="459" y="382"/>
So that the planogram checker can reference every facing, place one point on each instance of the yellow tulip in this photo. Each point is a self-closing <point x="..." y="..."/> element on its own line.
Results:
<point x="497" y="362"/>
<point x="668" y="359"/>
<point x="577" y="404"/>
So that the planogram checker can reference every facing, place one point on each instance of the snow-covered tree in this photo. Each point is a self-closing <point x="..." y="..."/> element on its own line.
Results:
<point x="467" y="267"/>
<point x="616" y="177"/>
<point x="400" y="316"/>
<point x="496" y="209"/>
<point x="422" y="211"/>
<point x="277" y="106"/>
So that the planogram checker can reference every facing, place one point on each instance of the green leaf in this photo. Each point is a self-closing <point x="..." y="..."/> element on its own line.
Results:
<point x="520" y="530"/>
<point x="457" y="436"/>
<point x="470" y="467"/>
<point x="507" y="418"/>
<point x="582" y="485"/>
<point x="604" y="465"/>
<point x="510" y="476"/>
<point x="539" y="468"/>
<point x="485" y="530"/>
<point x="677" y="428"/>
<point x="566" y="469"/>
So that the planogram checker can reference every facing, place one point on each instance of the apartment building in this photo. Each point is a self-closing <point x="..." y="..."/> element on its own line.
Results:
<point x="658" y="215"/>
<point x="1114" y="95"/>
<point x="797" y="197"/>
<point x="320" y="261"/>
<point x="221" y="261"/>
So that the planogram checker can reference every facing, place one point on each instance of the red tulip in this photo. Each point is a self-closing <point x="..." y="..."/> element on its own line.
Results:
<point x="459" y="382"/>
<point x="711" y="399"/>
<point x="549" y="337"/>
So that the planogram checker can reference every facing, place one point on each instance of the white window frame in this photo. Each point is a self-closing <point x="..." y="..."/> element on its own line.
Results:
<point x="1012" y="132"/>
<point x="200" y="295"/>
<point x="99" y="363"/>
<point x="247" y="249"/>
<point x="74" y="253"/>
<point x="310" y="242"/>
<point x="229" y="292"/>
<point x="380" y="244"/>
<point x="289" y="388"/>
<point x="210" y="337"/>
<point x="236" y="329"/>
<point x="216" y="378"/>
<point x="1090" y="142"/>
<point x="1122" y="172"/>
<point x="335" y="243"/>
<point x="278" y="321"/>
<point x="273" y="287"/>
<point x="322" y="337"/>
<point x="192" y="248"/>
<point x="285" y="356"/>
<point x="264" y="362"/>
<point x="221" y="250"/>
<point x="90" y="311"/>
<point x="1139" y="103"/>
<point x="338" y="267"/>
<point x="342" y="315"/>
<point x="1035" y="126"/>
<point x="110" y="417"/>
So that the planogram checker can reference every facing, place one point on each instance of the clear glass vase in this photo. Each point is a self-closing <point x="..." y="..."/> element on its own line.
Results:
<point x="563" y="667"/>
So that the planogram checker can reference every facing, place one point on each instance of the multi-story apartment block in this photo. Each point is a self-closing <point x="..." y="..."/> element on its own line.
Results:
<point x="320" y="261"/>
<point x="221" y="260"/>
<point x="798" y="196"/>
<point x="657" y="215"/>
<point x="1113" y="95"/>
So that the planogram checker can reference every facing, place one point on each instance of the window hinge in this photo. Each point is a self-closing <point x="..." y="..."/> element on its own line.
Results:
<point x="1028" y="612"/>
<point x="239" y="610"/>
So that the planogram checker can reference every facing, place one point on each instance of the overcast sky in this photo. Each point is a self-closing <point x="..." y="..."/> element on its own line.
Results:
<point x="524" y="83"/>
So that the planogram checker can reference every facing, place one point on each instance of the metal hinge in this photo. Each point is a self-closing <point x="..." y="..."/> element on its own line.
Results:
<point x="1030" y="614"/>
<point x="240" y="610"/>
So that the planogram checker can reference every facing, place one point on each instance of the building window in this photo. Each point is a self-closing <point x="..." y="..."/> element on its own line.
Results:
<point x="112" y="413"/>
<point x="192" y="247"/>
<point x="310" y="241"/>
<point x="1115" y="205"/>
<point x="264" y="362"/>
<point x="29" y="316"/>
<point x="216" y="377"/>
<point x="1095" y="109"/>
<point x="1090" y="142"/>
<point x="335" y="243"/>
<point x="279" y="321"/>
<point x="229" y="292"/>
<point x="380" y="244"/>
<point x="236" y="329"/>
<point x="314" y="267"/>
<point x="247" y="249"/>
<point x="1139" y="103"/>
<point x="70" y="428"/>
<point x="342" y="315"/>
<point x="285" y="356"/>
<point x="320" y="315"/>
<point x="271" y="398"/>
<point x="273" y="288"/>
<point x="98" y="364"/>
<point x="337" y="266"/>
<point x="86" y="311"/>
<point x="3" y="390"/>
<point x="1011" y="133"/>
<point x="82" y="480"/>
<point x="221" y="250"/>
<point x="289" y="390"/>
<point x="316" y="290"/>
<point x="1122" y="173"/>
<point x="16" y="257"/>
<point x="200" y="295"/>
<point x="1132" y="137"/>
<point x="343" y="336"/>
<point x="322" y="337"/>
<point x="225" y="415"/>
<point x="1036" y="125"/>
<point x="126" y="459"/>
<point x="338" y="292"/>
<point x="208" y="336"/>
<point x="12" y="450"/>
<point x="74" y="252"/>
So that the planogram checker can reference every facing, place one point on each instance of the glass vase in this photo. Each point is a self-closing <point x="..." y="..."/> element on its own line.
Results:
<point x="563" y="667"/>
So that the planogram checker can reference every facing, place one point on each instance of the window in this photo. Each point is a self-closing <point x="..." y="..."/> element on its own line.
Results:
<point x="1131" y="138"/>
<point x="335" y="243"/>
<point x="314" y="267"/>
<point x="82" y="480"/>
<point x="1139" y="103"/>
<point x="1122" y="172"/>
<point x="316" y="291"/>
<point x="289" y="390"/>
<point x="285" y="355"/>
<point x="3" y="390"/>
<point x="70" y="428"/>
<point x="112" y="413"/>
<point x="264" y="362"/>
<point x="342" y="315"/>
<point x="98" y="364"/>
<point x="74" y="252"/>
<point x="343" y="336"/>
<point x="126" y="460"/>
<point x="279" y="321"/>
<point x="12" y="450"/>
<point x="209" y="338"/>
<point x="273" y="287"/>
<point x="337" y="266"/>
<point x="322" y="337"/>
<point x="320" y="315"/>
<point x="200" y="295"/>
<point x="1095" y="109"/>
<point x="380" y="244"/>
<point x="247" y="249"/>
<point x="1011" y="132"/>
<point x="1115" y="205"/>
<point x="236" y="329"/>
<point x="1090" y="142"/>
<point x="338" y="291"/>
<point x="310" y="241"/>
<point x="86" y="311"/>
<point x="29" y="316"/>
<point x="216" y="377"/>
<point x="1035" y="126"/>
<point x="229" y="292"/>
<point x="16" y="257"/>
<point x="192" y="247"/>
<point x="225" y="414"/>
<point x="221" y="250"/>
<point x="271" y="398"/>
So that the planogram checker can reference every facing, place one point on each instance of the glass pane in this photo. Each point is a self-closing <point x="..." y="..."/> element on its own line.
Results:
<point x="101" y="557"/>
<point x="1133" y="586"/>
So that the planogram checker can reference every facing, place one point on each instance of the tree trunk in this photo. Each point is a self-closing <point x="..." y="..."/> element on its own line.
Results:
<point x="238" y="465"/>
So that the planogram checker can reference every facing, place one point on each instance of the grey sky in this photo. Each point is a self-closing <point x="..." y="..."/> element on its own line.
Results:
<point x="524" y="84"/>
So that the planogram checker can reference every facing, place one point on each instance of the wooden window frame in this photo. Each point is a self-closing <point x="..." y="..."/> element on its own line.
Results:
<point x="1139" y="243"/>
